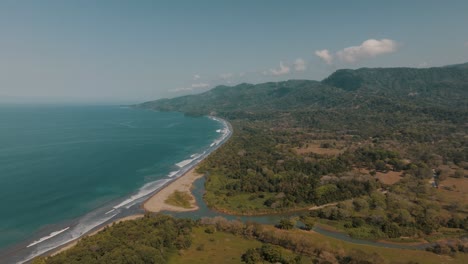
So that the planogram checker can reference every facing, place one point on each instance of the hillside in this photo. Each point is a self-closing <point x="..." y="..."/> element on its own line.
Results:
<point x="346" y="100"/>
<point x="442" y="88"/>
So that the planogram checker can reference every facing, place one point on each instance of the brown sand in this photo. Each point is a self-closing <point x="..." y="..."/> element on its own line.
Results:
<point x="156" y="203"/>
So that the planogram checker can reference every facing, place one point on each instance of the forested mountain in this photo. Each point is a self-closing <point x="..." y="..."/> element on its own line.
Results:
<point x="442" y="88"/>
<point x="387" y="101"/>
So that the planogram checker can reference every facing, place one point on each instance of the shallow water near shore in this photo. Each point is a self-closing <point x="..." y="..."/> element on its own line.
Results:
<point x="66" y="169"/>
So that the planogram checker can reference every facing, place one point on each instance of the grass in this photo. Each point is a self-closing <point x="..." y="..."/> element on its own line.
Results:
<point x="214" y="248"/>
<point x="180" y="199"/>
<point x="219" y="247"/>
<point x="240" y="203"/>
<point x="456" y="194"/>
<point x="390" y="254"/>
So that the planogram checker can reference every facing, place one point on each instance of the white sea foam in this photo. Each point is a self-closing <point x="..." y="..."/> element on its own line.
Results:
<point x="87" y="223"/>
<point x="184" y="163"/>
<point x="172" y="174"/>
<point x="51" y="235"/>
<point x="110" y="211"/>
<point x="144" y="191"/>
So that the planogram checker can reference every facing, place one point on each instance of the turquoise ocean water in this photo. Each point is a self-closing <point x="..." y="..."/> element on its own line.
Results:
<point x="58" y="163"/>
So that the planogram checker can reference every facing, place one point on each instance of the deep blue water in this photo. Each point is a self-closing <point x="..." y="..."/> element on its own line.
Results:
<point x="57" y="163"/>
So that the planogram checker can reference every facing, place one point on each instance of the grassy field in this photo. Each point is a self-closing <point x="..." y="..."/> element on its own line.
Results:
<point x="243" y="203"/>
<point x="389" y="254"/>
<point x="453" y="192"/>
<point x="180" y="199"/>
<point x="218" y="247"/>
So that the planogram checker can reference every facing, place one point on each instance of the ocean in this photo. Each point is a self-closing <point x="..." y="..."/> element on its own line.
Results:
<point x="66" y="169"/>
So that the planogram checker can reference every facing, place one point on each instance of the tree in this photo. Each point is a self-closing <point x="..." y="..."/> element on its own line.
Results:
<point x="271" y="253"/>
<point x="252" y="256"/>
<point x="308" y="222"/>
<point x="285" y="223"/>
<point x="360" y="204"/>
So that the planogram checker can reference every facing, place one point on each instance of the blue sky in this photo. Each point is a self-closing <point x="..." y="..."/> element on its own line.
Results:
<point x="131" y="51"/>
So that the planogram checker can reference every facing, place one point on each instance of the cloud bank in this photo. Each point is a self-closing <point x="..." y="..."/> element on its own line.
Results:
<point x="300" y="65"/>
<point x="325" y="56"/>
<point x="226" y="75"/>
<point x="283" y="69"/>
<point x="192" y="87"/>
<point x="368" y="49"/>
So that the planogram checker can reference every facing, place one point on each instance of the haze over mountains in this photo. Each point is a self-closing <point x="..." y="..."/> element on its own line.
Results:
<point x="443" y="90"/>
<point x="346" y="99"/>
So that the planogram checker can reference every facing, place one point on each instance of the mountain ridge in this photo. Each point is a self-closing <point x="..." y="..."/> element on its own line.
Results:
<point x="437" y="87"/>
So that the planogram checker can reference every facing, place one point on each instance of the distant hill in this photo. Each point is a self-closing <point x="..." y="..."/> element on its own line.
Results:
<point x="260" y="97"/>
<point x="439" y="88"/>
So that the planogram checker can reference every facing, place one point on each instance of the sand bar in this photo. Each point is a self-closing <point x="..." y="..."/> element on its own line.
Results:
<point x="184" y="183"/>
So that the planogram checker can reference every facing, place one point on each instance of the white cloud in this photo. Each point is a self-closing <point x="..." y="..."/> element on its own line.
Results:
<point x="184" y="89"/>
<point x="226" y="75"/>
<point x="200" y="85"/>
<point x="196" y="77"/>
<point x="192" y="87"/>
<point x="368" y="48"/>
<point x="325" y="56"/>
<point x="283" y="69"/>
<point x="423" y="64"/>
<point x="300" y="65"/>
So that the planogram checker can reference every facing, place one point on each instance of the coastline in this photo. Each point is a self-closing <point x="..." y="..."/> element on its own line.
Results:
<point x="156" y="201"/>
<point x="154" y="204"/>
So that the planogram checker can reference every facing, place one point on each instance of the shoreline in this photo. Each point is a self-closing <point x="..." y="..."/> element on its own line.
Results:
<point x="153" y="203"/>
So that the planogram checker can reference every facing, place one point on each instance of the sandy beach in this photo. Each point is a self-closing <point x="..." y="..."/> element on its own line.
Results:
<point x="156" y="203"/>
